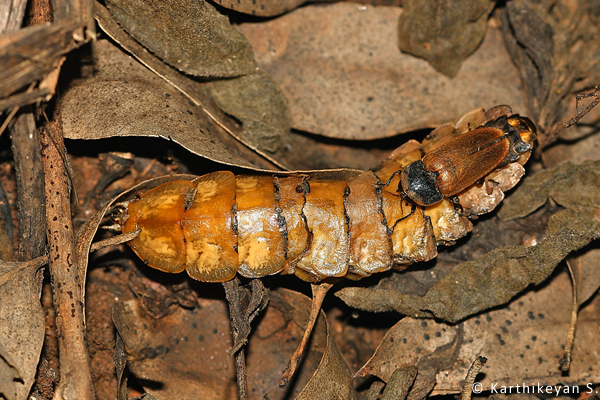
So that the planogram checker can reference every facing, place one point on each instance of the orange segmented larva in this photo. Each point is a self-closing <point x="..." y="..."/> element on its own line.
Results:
<point x="220" y="224"/>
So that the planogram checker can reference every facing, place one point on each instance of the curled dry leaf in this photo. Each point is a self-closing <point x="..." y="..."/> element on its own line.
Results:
<point x="185" y="355"/>
<point x="21" y="322"/>
<point x="123" y="98"/>
<point x="444" y="33"/>
<point x="231" y="134"/>
<point x="569" y="184"/>
<point x="522" y="342"/>
<point x="191" y="36"/>
<point x="556" y="47"/>
<point x="198" y="40"/>
<point x="345" y="78"/>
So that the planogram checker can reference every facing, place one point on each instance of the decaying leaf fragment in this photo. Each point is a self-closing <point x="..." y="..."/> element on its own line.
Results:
<point x="191" y="36"/>
<point x="494" y="279"/>
<point x="443" y="32"/>
<point x="123" y="98"/>
<point x="522" y="342"/>
<point x="21" y="322"/>
<point x="185" y="355"/>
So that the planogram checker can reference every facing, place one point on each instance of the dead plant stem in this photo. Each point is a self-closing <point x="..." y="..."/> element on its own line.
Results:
<point x="68" y="279"/>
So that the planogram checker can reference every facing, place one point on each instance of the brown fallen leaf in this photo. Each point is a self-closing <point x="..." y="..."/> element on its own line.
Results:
<point x="190" y="36"/>
<point x="123" y="98"/>
<point x="522" y="342"/>
<point x="231" y="134"/>
<point x="569" y="184"/>
<point x="262" y="8"/>
<point x="185" y="354"/>
<point x="443" y="32"/>
<point x="21" y="322"/>
<point x="345" y="78"/>
<point x="405" y="344"/>
<point x="555" y="47"/>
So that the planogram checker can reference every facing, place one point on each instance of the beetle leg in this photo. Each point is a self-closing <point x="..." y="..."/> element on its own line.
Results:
<point x="413" y="208"/>
<point x="397" y="172"/>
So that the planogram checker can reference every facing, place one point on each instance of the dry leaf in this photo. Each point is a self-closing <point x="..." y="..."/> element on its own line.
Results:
<point x="21" y="326"/>
<point x="345" y="77"/>
<point x="262" y="8"/>
<point x="571" y="185"/>
<point x="443" y="32"/>
<point x="405" y="344"/>
<point x="231" y="133"/>
<point x="122" y="98"/>
<point x="191" y="36"/>
<point x="523" y="343"/>
<point x="556" y="48"/>
<point x="256" y="101"/>
<point x="185" y="355"/>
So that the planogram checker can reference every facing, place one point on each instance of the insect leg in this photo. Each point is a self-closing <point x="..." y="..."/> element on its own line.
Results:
<point x="413" y="207"/>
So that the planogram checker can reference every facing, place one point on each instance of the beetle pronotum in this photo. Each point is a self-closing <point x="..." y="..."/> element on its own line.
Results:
<point x="220" y="224"/>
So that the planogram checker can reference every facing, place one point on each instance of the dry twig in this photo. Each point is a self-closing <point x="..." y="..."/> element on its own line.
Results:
<point x="67" y="274"/>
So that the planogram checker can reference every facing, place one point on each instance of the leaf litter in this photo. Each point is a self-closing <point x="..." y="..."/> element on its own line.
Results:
<point x="460" y="296"/>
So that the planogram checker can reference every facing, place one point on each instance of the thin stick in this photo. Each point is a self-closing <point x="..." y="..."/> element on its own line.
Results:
<point x="580" y="114"/>
<point x="68" y="278"/>
<point x="470" y="378"/>
<point x="30" y="185"/>
<point x="318" y="293"/>
<point x="565" y="361"/>
<point x="232" y="293"/>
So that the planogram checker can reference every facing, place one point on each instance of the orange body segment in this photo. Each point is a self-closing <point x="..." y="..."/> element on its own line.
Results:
<point x="411" y="232"/>
<point x="208" y="229"/>
<point x="158" y="213"/>
<point x="370" y="245"/>
<point x="261" y="243"/>
<point x="326" y="220"/>
<point x="291" y="203"/>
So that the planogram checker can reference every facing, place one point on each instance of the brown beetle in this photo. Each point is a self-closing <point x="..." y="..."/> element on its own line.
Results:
<point x="464" y="160"/>
<point x="220" y="224"/>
